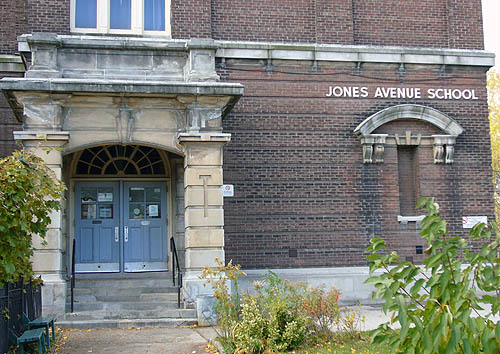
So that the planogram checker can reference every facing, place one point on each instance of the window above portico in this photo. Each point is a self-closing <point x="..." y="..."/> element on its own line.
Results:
<point x="139" y="17"/>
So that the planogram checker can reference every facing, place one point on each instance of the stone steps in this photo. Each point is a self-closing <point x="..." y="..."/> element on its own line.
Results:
<point x="130" y="314"/>
<point x="123" y="303"/>
<point x="127" y="323"/>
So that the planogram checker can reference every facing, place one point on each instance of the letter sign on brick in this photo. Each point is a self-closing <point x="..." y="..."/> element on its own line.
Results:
<point x="228" y="190"/>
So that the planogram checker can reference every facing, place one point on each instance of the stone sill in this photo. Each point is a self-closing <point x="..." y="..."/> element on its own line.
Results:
<point x="406" y="219"/>
<point x="11" y="63"/>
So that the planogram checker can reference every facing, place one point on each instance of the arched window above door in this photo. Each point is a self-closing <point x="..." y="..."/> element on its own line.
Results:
<point x="121" y="160"/>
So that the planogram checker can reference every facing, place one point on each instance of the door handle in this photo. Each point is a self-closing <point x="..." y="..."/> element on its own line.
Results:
<point x="117" y="234"/>
<point x="126" y="234"/>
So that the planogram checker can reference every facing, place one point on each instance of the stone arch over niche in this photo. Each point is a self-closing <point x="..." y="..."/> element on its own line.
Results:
<point x="443" y="144"/>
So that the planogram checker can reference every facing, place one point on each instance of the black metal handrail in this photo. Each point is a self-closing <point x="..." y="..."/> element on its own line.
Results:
<point x="176" y="267"/>
<point x="72" y="276"/>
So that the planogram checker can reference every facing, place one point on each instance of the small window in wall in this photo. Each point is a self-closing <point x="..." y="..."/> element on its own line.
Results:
<point x="138" y="17"/>
<point x="408" y="180"/>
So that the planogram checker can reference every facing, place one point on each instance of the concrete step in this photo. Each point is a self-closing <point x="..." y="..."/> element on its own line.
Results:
<point x="126" y="291"/>
<point x="130" y="314"/>
<point x="127" y="323"/>
<point x="124" y="283"/>
<point x="158" y="297"/>
<point x="121" y="305"/>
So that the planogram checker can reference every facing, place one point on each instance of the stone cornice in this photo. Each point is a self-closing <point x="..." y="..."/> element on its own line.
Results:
<point x="120" y="87"/>
<point x="272" y="50"/>
<point x="354" y="53"/>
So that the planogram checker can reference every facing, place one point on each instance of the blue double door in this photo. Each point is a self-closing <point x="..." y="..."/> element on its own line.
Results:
<point x="120" y="227"/>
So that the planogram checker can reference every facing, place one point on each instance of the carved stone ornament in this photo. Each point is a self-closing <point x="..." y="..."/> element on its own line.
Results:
<point x="373" y="148"/>
<point x="444" y="147"/>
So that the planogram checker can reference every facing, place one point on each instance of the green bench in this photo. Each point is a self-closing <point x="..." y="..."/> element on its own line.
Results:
<point x="30" y="336"/>
<point x="41" y="322"/>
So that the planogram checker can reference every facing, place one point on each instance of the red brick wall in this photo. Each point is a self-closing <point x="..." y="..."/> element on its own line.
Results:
<point x="13" y="15"/>
<point x="267" y="20"/>
<point x="300" y="183"/>
<point x="190" y="18"/>
<point x="8" y="122"/>
<point x="49" y="16"/>
<point x="419" y="23"/>
<point x="416" y="23"/>
<point x="466" y="24"/>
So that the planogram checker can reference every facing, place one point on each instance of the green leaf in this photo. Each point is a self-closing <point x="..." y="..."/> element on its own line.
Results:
<point x="10" y="268"/>
<point x="417" y="286"/>
<point x="433" y="260"/>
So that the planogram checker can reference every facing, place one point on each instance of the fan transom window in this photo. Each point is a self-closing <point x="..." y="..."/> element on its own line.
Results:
<point x="121" y="160"/>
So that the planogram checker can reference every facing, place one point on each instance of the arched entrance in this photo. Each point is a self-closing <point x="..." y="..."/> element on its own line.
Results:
<point x="120" y="209"/>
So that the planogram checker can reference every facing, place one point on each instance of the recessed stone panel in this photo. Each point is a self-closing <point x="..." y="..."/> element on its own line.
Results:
<point x="79" y="118"/>
<point x="194" y="176"/>
<point x="201" y="155"/>
<point x="72" y="59"/>
<point x="155" y="119"/>
<point x="204" y="238"/>
<point x="198" y="259"/>
<point x="123" y="61"/>
<point x="201" y="218"/>
<point x="195" y="196"/>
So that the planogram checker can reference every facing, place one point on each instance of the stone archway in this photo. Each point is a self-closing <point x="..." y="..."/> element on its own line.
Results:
<point x="443" y="144"/>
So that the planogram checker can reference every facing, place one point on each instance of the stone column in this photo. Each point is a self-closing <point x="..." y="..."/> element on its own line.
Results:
<point x="47" y="260"/>
<point x="204" y="211"/>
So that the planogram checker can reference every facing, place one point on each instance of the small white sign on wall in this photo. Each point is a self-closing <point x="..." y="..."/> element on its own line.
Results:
<point x="470" y="221"/>
<point x="228" y="190"/>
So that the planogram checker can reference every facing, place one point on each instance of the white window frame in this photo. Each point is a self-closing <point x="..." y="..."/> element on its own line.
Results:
<point x="136" y="25"/>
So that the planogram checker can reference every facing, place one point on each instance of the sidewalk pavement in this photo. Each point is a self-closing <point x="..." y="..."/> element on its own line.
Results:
<point x="172" y="340"/>
<point x="175" y="340"/>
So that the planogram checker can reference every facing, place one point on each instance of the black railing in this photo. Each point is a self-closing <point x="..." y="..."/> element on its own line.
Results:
<point x="176" y="270"/>
<point x="73" y="277"/>
<point x="16" y="298"/>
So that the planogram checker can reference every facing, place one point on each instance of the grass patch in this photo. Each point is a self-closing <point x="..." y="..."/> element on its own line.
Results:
<point x="341" y="345"/>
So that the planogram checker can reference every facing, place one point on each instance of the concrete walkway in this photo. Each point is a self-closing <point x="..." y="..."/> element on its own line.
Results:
<point x="175" y="340"/>
<point x="185" y="340"/>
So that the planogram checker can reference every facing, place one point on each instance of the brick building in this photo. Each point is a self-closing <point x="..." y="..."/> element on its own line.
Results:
<point x="330" y="118"/>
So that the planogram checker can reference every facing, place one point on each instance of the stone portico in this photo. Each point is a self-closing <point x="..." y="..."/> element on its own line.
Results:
<point x="82" y="92"/>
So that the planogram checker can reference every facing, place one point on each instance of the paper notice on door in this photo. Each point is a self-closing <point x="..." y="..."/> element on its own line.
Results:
<point x="105" y="212"/>
<point x="153" y="210"/>
<point x="89" y="211"/>
<point x="105" y="197"/>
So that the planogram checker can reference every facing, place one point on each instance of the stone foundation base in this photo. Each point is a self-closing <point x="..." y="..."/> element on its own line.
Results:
<point x="53" y="296"/>
<point x="349" y="280"/>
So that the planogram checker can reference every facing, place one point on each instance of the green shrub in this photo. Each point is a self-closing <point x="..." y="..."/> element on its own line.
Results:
<point x="322" y="309"/>
<point x="277" y="316"/>
<point x="29" y="192"/>
<point x="438" y="305"/>
<point x="251" y="332"/>
<point x="227" y="304"/>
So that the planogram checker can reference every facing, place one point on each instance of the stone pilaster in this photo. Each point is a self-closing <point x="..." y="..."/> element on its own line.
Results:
<point x="201" y="62"/>
<point x="203" y="203"/>
<point x="47" y="259"/>
<point x="44" y="48"/>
